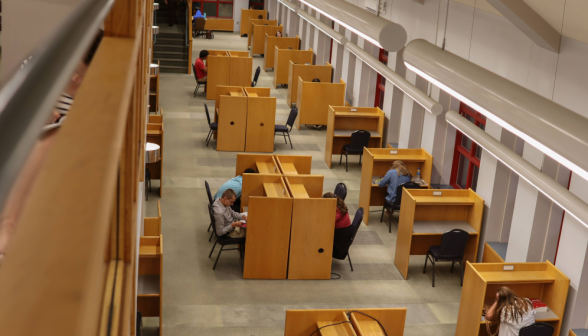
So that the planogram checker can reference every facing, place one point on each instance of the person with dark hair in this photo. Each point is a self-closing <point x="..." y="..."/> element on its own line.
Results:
<point x="260" y="17"/>
<point x="343" y="229"/>
<point x="201" y="68"/>
<point x="316" y="80"/>
<point x="279" y="34"/>
<point x="235" y="184"/>
<point x="225" y="218"/>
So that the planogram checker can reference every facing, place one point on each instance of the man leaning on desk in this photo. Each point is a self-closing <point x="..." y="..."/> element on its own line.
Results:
<point x="228" y="221"/>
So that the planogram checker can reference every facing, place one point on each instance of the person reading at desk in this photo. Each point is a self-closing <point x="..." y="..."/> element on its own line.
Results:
<point x="343" y="230"/>
<point x="200" y="68"/>
<point x="511" y="312"/>
<point x="226" y="219"/>
<point x="236" y="184"/>
<point x="279" y="34"/>
<point x="397" y="175"/>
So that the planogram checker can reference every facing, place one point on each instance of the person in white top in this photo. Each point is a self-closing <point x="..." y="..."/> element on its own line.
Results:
<point x="511" y="312"/>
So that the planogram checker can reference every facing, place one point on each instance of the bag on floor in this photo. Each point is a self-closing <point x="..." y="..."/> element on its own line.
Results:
<point x="209" y="35"/>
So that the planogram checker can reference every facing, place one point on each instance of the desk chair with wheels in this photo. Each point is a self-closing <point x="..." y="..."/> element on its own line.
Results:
<point x="198" y="27"/>
<point x="289" y="123"/>
<point x="344" y="238"/>
<point x="537" y="329"/>
<point x="359" y="140"/>
<point x="198" y="83"/>
<point x="256" y="77"/>
<point x="395" y="206"/>
<point x="210" y="201"/>
<point x="341" y="190"/>
<point x="223" y="240"/>
<point x="212" y="126"/>
<point x="452" y="248"/>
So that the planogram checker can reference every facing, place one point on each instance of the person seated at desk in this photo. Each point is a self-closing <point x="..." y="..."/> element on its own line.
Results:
<point x="397" y="175"/>
<point x="198" y="14"/>
<point x="279" y="34"/>
<point x="201" y="68"/>
<point x="343" y="230"/>
<point x="226" y="219"/>
<point x="236" y="184"/>
<point x="511" y="312"/>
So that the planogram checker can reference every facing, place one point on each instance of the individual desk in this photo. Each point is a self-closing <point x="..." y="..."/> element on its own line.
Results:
<point x="155" y="135"/>
<point x="377" y="162"/>
<point x="152" y="225"/>
<point x="294" y="164"/>
<point x="255" y="21"/>
<point x="261" y="120"/>
<point x="424" y="217"/>
<point x="154" y="92"/>
<point x="246" y="15"/>
<point x="491" y="255"/>
<point x="241" y="68"/>
<point x="268" y="226"/>
<point x="271" y="42"/>
<point x="232" y="122"/>
<point x="261" y="163"/>
<point x="282" y="60"/>
<point x="150" y="278"/>
<point x="258" y="37"/>
<point x="219" y="71"/>
<point x="307" y="72"/>
<point x="314" y="100"/>
<point x="219" y="24"/>
<point x="343" y="121"/>
<point x="302" y="322"/>
<point x="539" y="280"/>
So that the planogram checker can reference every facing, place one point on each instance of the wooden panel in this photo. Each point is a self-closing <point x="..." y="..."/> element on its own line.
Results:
<point x="332" y="328"/>
<point x="314" y="100"/>
<point x="555" y="295"/>
<point x="225" y="90"/>
<point x="282" y="63"/>
<point x="302" y="163"/>
<point x="329" y="137"/>
<point x="307" y="72"/>
<point x="241" y="71"/>
<point x="253" y="185"/>
<point x="148" y="305"/>
<point x="298" y="191"/>
<point x="472" y="301"/>
<point x="152" y="225"/>
<point x="365" y="188"/>
<point x="259" y="91"/>
<point x="268" y="237"/>
<point x="219" y="73"/>
<point x="261" y="120"/>
<point x="219" y="24"/>
<point x="404" y="236"/>
<point x="251" y="29"/>
<point x="392" y="319"/>
<point x="476" y="211"/>
<point x="490" y="256"/>
<point x="258" y="37"/>
<point x="271" y="42"/>
<point x="232" y="123"/>
<point x="312" y="183"/>
<point x="246" y="14"/>
<point x="303" y="322"/>
<point x="245" y="161"/>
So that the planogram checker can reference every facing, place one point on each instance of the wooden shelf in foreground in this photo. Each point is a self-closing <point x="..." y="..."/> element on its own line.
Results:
<point x="150" y="280"/>
<point x="539" y="280"/>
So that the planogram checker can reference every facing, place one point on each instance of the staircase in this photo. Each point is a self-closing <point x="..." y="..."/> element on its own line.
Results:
<point x="170" y="44"/>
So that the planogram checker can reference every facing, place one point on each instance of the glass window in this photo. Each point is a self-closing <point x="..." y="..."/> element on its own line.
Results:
<point x="467" y="154"/>
<point x="462" y="172"/>
<point x="225" y="10"/>
<point x="210" y="8"/>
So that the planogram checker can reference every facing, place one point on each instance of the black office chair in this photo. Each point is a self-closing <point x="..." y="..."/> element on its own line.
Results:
<point x="256" y="77"/>
<point x="224" y="240"/>
<point x="452" y="248"/>
<point x="341" y="190"/>
<point x="210" y="201"/>
<point x="284" y="128"/>
<point x="537" y="329"/>
<point x="212" y="126"/>
<point x="397" y="201"/>
<point x="344" y="238"/>
<point x="197" y="82"/>
<point x="359" y="140"/>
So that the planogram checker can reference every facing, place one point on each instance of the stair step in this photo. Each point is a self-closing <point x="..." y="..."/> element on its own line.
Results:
<point x="173" y="62"/>
<point x="174" y="69"/>
<point x="173" y="48"/>
<point x="169" y="54"/>
<point x="170" y="36"/>
<point x="170" y="41"/>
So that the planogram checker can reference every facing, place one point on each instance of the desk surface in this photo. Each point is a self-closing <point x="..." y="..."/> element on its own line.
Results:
<point x="274" y="190"/>
<point x="347" y="133"/>
<point x="443" y="200"/>
<point x="335" y="330"/>
<point x="440" y="227"/>
<point x="289" y="168"/>
<point x="266" y="167"/>
<point x="148" y="285"/>
<point x="357" y="114"/>
<point x="298" y="191"/>
<point x="376" y="179"/>
<point x="252" y="94"/>
<point x="371" y="328"/>
<point x="394" y="157"/>
<point x="511" y="277"/>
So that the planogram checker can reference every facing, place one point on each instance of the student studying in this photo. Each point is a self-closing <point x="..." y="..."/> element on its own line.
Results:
<point x="226" y="219"/>
<point x="397" y="175"/>
<point x="343" y="229"/>
<point x="235" y="184"/>
<point x="510" y="312"/>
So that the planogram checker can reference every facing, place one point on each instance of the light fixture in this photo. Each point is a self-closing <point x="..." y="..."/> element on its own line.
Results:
<point x="400" y="82"/>
<point x="561" y="196"/>
<point x="547" y="126"/>
<point x="322" y="27"/>
<point x="379" y="31"/>
<point x="155" y="30"/>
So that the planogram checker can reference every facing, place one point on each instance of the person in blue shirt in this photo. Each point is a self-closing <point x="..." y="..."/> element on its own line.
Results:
<point x="198" y="15"/>
<point x="236" y="183"/>
<point x="397" y="175"/>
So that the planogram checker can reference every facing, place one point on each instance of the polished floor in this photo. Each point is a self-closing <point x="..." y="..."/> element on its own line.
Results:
<point x="200" y="301"/>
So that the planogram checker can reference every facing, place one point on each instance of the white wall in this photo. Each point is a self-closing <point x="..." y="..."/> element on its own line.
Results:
<point x="237" y="6"/>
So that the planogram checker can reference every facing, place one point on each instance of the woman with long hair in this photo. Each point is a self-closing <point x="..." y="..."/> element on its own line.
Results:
<point x="343" y="230"/>
<point x="511" y="312"/>
<point x="397" y="175"/>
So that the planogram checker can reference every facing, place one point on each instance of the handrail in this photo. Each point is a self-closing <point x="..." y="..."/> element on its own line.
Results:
<point x="21" y="117"/>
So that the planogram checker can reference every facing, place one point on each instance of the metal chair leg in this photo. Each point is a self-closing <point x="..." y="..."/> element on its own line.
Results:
<point x="433" y="262"/>
<point x="460" y="274"/>
<point x="219" y="253"/>
<point x="383" y="209"/>
<point x="341" y="158"/>
<point x="351" y="265"/>
<point x="213" y="246"/>
<point x="426" y="259"/>
<point x="452" y="264"/>
<point x="346" y="162"/>
<point x="211" y="234"/>
<point x="360" y="155"/>
<point x="208" y="137"/>
<point x="390" y="221"/>
<point x="209" y="227"/>
<point x="292" y="147"/>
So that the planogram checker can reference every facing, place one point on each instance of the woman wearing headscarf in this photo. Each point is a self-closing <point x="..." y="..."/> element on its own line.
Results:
<point x="397" y="175"/>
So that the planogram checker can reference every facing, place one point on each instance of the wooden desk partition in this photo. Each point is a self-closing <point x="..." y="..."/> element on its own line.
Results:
<point x="282" y="62"/>
<point x="464" y="208"/>
<point x="259" y="22"/>
<point x="261" y="120"/>
<point x="294" y="164"/>
<point x="150" y="278"/>
<point x="377" y="161"/>
<point x="490" y="256"/>
<point x="539" y="280"/>
<point x="232" y="123"/>
<point x="225" y="90"/>
<point x="306" y="321"/>
<point x="219" y="24"/>
<point x="155" y="135"/>
<point x="343" y="121"/>
<point x="152" y="225"/>
<point x="219" y="71"/>
<point x="314" y="100"/>
<point x="258" y="37"/>
<point x="307" y="72"/>
<point x="246" y="15"/>
<point x="271" y="42"/>
<point x="311" y="245"/>
<point x="268" y="228"/>
<point x="241" y="68"/>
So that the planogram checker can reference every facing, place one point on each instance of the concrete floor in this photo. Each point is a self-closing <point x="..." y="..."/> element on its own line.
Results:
<point x="200" y="301"/>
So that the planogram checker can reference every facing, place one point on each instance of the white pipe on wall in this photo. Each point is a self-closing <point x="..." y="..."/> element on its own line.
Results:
<point x="322" y="27"/>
